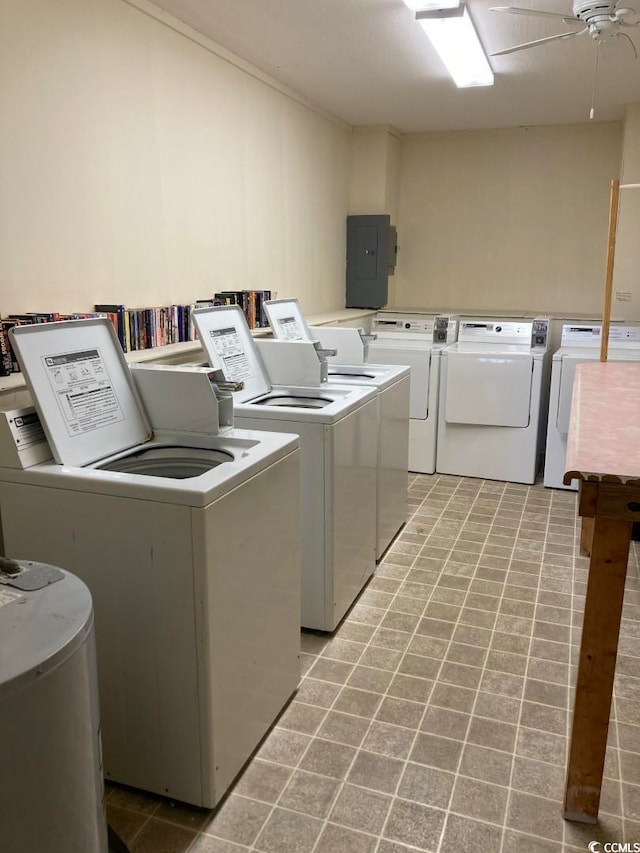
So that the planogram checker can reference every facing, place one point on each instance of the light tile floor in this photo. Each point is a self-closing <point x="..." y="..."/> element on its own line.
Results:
<point x="436" y="718"/>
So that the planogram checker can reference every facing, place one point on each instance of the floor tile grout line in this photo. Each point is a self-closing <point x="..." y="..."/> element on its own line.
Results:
<point x="450" y="641"/>
<point x="522" y="698"/>
<point x="384" y="695"/>
<point x="342" y="782"/>
<point x="465" y="740"/>
<point x="573" y="631"/>
<point x="555" y="581"/>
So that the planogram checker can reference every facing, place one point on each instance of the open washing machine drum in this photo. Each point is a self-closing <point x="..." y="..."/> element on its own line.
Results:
<point x="349" y="374"/>
<point x="89" y="406"/>
<point x="227" y="340"/>
<point x="176" y="463"/>
<point x="293" y="401"/>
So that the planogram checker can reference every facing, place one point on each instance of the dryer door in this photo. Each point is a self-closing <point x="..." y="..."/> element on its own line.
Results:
<point x="488" y="390"/>
<point x="419" y="360"/>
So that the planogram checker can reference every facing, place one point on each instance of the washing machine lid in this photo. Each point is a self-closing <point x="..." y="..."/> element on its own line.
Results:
<point x="228" y="343"/>
<point x="82" y="388"/>
<point x="287" y="320"/>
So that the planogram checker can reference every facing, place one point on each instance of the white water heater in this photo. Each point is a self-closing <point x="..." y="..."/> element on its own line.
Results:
<point x="50" y="773"/>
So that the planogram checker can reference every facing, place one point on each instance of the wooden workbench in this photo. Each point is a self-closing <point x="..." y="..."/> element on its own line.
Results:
<point x="603" y="454"/>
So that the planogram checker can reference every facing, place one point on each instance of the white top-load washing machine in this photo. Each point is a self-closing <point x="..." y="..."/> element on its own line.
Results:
<point x="491" y="399"/>
<point x="391" y="383"/>
<point x="416" y="340"/>
<point x="337" y="425"/>
<point x="580" y="343"/>
<point x="188" y="541"/>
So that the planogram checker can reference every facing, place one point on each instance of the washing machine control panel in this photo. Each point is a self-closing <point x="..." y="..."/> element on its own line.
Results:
<point x="22" y="439"/>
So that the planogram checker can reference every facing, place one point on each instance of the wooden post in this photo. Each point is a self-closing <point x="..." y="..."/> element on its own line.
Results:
<point x="608" y="285"/>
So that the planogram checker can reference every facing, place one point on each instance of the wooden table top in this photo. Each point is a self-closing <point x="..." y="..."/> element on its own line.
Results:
<point x="604" y="432"/>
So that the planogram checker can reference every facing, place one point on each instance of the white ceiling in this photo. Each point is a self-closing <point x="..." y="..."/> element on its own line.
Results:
<point x="369" y="62"/>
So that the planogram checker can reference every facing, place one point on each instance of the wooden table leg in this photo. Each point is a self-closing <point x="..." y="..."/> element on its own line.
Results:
<point x="586" y="537"/>
<point x="587" y="500"/>
<point x="598" y="649"/>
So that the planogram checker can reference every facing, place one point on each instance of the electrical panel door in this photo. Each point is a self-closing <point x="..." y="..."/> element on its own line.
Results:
<point x="371" y="256"/>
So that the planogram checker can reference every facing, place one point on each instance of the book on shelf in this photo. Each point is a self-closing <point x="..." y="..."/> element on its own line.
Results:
<point x="139" y="328"/>
<point x="251" y="302"/>
<point x="115" y="314"/>
<point x="6" y="353"/>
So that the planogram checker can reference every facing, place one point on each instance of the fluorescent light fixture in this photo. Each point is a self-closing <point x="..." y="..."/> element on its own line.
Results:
<point x="456" y="42"/>
<point x="431" y="5"/>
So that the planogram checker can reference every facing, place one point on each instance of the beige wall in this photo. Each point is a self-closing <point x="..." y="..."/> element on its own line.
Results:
<point x="139" y="165"/>
<point x="508" y="219"/>
<point x="626" y="278"/>
<point x="375" y="164"/>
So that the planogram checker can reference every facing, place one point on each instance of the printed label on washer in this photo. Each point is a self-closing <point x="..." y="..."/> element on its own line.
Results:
<point x="7" y="596"/>
<point x="83" y="390"/>
<point x="26" y="429"/>
<point x="289" y="329"/>
<point x="228" y="347"/>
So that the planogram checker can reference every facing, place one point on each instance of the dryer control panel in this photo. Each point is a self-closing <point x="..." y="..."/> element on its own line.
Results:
<point x="540" y="333"/>
<point x="591" y="336"/>
<point x="440" y="329"/>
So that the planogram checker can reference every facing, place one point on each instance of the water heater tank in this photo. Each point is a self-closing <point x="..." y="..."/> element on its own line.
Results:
<point x="50" y="773"/>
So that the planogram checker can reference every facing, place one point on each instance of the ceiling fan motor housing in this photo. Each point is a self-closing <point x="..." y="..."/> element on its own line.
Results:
<point x="594" y="12"/>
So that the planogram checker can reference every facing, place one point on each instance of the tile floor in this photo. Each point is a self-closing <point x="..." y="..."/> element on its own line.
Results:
<point x="436" y="718"/>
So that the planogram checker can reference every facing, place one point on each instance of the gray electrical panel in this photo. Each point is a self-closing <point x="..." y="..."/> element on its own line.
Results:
<point x="371" y="258"/>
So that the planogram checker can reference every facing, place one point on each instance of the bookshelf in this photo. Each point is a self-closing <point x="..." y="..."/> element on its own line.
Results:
<point x="10" y="386"/>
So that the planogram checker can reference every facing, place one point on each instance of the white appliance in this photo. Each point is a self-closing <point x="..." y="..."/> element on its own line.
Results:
<point x="337" y="425"/>
<point x="50" y="771"/>
<point x="491" y="399"/>
<point x="188" y="541"/>
<point x="580" y="343"/>
<point x="391" y="383"/>
<point x="416" y="340"/>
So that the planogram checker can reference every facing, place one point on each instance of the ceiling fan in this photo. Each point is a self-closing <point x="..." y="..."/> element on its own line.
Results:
<point x="601" y="20"/>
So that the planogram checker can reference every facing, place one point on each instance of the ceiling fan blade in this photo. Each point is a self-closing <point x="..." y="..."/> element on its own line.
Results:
<point x="624" y="11"/>
<point x="518" y="10"/>
<point x="536" y="42"/>
<point x="630" y="40"/>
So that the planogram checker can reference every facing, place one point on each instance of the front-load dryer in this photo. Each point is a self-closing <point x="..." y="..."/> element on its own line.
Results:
<point x="337" y="425"/>
<point x="189" y="544"/>
<point x="492" y="400"/>
<point x="391" y="383"/>
<point x="580" y="343"/>
<point x="416" y="340"/>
